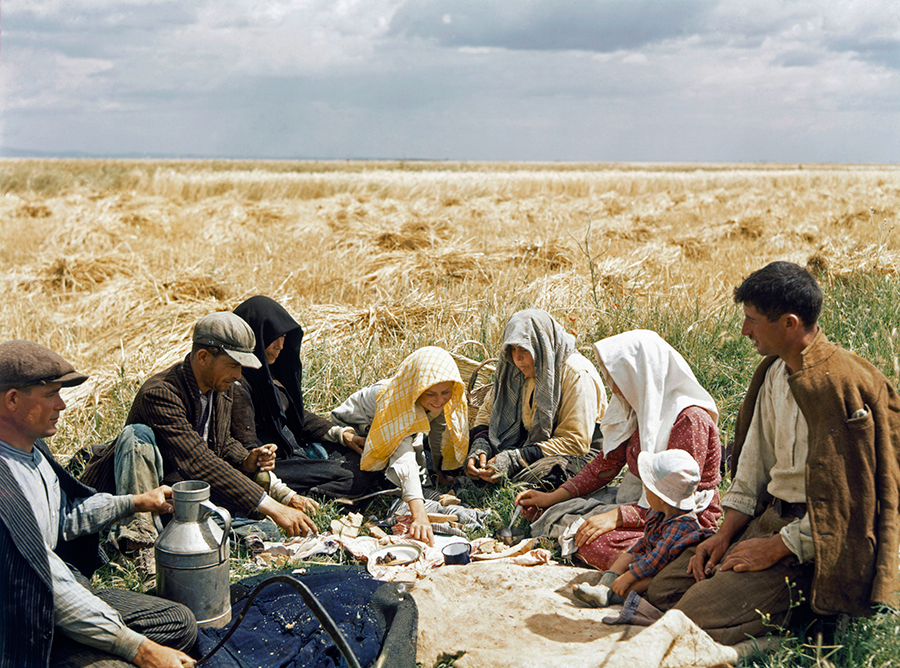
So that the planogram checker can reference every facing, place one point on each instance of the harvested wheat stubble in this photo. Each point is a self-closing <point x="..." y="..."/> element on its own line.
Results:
<point x="111" y="262"/>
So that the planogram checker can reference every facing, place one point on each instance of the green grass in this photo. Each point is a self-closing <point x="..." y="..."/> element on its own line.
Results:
<point x="860" y="313"/>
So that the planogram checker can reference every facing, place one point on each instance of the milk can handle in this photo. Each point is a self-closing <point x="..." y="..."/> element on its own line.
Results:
<point x="226" y="518"/>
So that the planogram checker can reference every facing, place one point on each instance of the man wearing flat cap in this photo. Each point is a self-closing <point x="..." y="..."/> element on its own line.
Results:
<point x="179" y="428"/>
<point x="49" y="615"/>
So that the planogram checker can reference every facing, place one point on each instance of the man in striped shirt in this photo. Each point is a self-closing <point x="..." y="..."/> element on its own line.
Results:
<point x="47" y="518"/>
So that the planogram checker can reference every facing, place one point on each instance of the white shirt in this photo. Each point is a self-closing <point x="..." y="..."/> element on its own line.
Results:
<point x="773" y="459"/>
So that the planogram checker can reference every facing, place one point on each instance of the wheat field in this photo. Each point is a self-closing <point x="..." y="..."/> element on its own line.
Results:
<point x="111" y="262"/>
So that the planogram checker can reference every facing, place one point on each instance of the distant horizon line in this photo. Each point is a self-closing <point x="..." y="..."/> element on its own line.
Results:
<point x="15" y="153"/>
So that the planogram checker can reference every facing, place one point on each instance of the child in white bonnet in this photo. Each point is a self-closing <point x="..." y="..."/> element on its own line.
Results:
<point x="670" y="481"/>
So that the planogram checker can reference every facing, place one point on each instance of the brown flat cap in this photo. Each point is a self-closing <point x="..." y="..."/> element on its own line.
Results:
<point x="23" y="364"/>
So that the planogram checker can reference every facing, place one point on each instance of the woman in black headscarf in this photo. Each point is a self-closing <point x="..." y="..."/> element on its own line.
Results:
<point x="313" y="454"/>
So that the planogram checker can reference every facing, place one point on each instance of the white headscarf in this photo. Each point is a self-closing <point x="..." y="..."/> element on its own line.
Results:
<point x="656" y="383"/>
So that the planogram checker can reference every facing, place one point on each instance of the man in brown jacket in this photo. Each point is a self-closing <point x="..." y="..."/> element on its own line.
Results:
<point x="812" y="508"/>
<point x="179" y="429"/>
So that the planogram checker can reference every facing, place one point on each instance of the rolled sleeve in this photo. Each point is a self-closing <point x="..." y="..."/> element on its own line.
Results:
<point x="598" y="473"/>
<point x="92" y="514"/>
<point x="403" y="469"/>
<point x="632" y="517"/>
<point x="743" y="503"/>
<point x="797" y="537"/>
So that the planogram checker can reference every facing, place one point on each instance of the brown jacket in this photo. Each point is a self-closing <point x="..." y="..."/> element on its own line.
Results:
<point x="852" y="475"/>
<point x="169" y="403"/>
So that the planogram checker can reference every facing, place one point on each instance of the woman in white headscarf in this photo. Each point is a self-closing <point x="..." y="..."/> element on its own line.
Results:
<point x="544" y="407"/>
<point x="425" y="396"/>
<point x="657" y="405"/>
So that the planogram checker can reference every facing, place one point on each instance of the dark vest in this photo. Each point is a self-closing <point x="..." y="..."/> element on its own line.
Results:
<point x="26" y="589"/>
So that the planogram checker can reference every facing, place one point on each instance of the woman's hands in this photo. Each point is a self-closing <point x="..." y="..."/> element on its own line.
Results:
<point x="352" y="441"/>
<point x="507" y="463"/>
<point x="596" y="526"/>
<point x="532" y="498"/>
<point x="477" y="462"/>
<point x="477" y="467"/>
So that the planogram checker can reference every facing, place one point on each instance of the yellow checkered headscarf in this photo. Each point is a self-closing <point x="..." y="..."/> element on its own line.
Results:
<point x="397" y="415"/>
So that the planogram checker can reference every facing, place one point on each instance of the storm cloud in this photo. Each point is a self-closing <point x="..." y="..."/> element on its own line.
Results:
<point x="688" y="80"/>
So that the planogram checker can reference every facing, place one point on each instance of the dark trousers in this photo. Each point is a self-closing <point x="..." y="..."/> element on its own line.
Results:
<point x="162" y="621"/>
<point x="339" y="475"/>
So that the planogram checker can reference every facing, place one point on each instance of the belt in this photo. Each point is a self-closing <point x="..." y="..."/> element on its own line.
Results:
<point x="786" y="509"/>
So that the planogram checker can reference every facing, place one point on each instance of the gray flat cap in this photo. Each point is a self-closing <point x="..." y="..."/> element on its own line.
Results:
<point x="231" y="333"/>
<point x="24" y="364"/>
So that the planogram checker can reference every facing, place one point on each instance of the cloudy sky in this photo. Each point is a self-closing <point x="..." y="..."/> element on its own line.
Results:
<point x="596" y="80"/>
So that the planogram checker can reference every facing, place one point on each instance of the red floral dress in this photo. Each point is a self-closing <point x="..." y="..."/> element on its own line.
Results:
<point x="694" y="432"/>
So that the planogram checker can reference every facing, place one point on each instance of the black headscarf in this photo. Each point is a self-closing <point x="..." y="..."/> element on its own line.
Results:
<point x="269" y="320"/>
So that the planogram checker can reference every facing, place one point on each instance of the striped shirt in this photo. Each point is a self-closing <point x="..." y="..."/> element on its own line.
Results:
<point x="170" y="404"/>
<point x="77" y="612"/>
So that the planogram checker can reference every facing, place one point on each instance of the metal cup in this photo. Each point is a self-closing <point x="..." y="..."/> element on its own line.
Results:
<point x="457" y="554"/>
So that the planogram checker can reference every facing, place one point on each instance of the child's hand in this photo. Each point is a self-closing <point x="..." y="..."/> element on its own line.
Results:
<point x="622" y="583"/>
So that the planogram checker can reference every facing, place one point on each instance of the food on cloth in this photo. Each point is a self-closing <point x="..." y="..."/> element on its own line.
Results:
<point x="395" y="555"/>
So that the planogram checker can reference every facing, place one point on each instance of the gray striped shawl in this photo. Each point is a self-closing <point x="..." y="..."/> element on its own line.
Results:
<point x="550" y="345"/>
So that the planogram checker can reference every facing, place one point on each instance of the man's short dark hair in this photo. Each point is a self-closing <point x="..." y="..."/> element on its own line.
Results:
<point x="215" y="351"/>
<point x="779" y="288"/>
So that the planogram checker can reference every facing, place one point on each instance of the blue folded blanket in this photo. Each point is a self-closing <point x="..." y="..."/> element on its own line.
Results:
<point x="280" y="631"/>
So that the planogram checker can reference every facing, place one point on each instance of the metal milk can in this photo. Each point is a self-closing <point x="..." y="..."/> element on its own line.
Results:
<point x="192" y="555"/>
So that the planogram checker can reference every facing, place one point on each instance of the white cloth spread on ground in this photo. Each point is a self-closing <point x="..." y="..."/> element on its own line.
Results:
<point x="503" y="615"/>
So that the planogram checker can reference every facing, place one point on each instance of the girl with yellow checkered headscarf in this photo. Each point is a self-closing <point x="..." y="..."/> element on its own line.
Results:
<point x="425" y="396"/>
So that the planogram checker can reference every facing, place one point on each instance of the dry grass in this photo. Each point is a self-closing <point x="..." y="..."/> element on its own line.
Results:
<point x="110" y="262"/>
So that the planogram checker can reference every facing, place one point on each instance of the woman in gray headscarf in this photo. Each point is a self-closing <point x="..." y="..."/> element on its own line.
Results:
<point x="543" y="412"/>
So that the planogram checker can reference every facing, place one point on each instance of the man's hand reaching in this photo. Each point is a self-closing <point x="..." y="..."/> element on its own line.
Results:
<point x="294" y="522"/>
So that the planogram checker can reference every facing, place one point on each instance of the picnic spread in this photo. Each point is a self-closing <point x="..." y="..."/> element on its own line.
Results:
<point x="681" y="576"/>
<point x="532" y="615"/>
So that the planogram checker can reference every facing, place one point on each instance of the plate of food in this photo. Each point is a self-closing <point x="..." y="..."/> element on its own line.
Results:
<point x="394" y="555"/>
